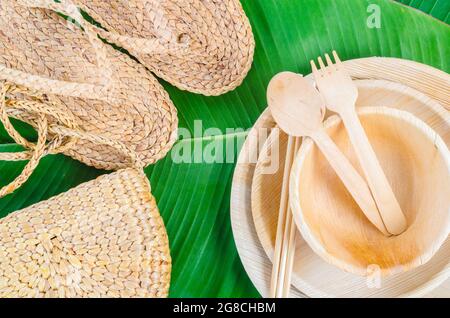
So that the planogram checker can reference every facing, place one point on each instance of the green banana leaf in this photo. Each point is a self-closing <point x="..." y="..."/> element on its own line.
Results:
<point x="439" y="9"/>
<point x="194" y="196"/>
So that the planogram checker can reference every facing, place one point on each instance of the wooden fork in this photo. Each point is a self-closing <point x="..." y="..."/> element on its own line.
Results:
<point x="340" y="94"/>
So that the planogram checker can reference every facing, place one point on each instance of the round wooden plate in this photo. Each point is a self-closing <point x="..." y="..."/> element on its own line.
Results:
<point x="309" y="268"/>
<point x="425" y="79"/>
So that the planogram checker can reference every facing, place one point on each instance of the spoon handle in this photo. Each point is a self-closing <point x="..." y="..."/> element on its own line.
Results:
<point x="354" y="183"/>
<point x="387" y="203"/>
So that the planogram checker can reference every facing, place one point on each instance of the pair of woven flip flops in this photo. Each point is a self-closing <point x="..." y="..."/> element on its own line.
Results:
<point x="204" y="46"/>
<point x="91" y="102"/>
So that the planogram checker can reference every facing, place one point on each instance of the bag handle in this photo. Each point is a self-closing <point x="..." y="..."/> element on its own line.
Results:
<point x="65" y="133"/>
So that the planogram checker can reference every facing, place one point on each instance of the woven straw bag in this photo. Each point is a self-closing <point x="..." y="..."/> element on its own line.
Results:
<point x="203" y="46"/>
<point x="104" y="238"/>
<point x="107" y="93"/>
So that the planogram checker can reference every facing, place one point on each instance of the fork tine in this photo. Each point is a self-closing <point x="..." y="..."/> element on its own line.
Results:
<point x="327" y="58"/>
<point x="314" y="69"/>
<point x="336" y="58"/>
<point x="321" y="64"/>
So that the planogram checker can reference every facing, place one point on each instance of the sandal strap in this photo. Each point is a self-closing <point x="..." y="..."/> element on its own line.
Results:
<point x="144" y="46"/>
<point x="103" y="92"/>
<point x="165" y="42"/>
<point x="55" y="87"/>
<point x="65" y="132"/>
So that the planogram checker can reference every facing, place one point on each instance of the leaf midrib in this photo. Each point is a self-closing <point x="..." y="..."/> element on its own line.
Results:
<point x="10" y="146"/>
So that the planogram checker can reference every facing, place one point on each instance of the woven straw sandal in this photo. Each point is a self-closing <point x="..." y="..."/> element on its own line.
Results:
<point x="104" y="238"/>
<point x="202" y="46"/>
<point x="108" y="93"/>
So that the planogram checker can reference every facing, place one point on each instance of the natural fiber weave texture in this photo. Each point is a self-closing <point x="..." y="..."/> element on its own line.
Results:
<point x="203" y="46"/>
<point x="60" y="128"/>
<point x="104" y="238"/>
<point x="109" y="94"/>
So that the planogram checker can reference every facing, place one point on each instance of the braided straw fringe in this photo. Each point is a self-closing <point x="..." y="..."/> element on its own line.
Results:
<point x="104" y="238"/>
<point x="109" y="94"/>
<point x="202" y="46"/>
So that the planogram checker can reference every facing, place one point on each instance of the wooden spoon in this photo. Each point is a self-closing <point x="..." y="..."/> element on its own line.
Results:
<point x="299" y="110"/>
